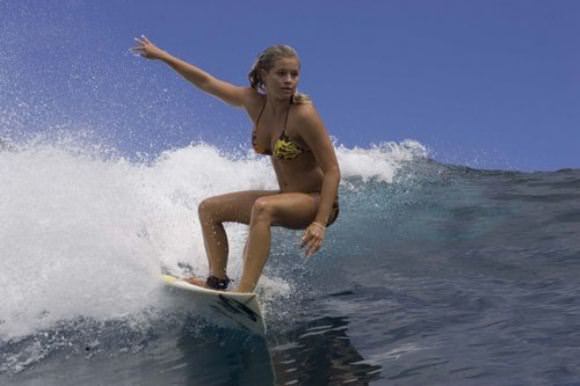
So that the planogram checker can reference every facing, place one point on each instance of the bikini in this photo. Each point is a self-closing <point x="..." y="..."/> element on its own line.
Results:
<point x="286" y="149"/>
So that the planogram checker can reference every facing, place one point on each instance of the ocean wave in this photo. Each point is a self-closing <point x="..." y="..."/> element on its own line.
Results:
<point x="86" y="230"/>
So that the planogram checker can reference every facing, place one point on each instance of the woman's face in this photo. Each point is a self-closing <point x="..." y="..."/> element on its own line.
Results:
<point x="282" y="80"/>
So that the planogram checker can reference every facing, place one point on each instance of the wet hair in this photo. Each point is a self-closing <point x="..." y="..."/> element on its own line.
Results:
<point x="266" y="61"/>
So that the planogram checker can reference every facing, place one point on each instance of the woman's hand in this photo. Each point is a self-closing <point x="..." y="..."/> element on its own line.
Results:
<point x="147" y="49"/>
<point x="313" y="237"/>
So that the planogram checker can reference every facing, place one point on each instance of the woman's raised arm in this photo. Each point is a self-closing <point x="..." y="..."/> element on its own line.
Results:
<point x="233" y="95"/>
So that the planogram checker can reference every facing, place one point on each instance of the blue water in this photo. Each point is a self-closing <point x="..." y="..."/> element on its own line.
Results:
<point x="433" y="274"/>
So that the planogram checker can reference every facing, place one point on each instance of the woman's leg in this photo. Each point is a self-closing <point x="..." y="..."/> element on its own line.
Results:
<point x="290" y="210"/>
<point x="213" y="212"/>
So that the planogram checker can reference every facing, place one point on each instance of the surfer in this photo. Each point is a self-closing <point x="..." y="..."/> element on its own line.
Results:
<point x="287" y="128"/>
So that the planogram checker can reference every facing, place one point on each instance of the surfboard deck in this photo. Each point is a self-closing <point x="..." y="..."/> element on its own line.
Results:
<point x="242" y="308"/>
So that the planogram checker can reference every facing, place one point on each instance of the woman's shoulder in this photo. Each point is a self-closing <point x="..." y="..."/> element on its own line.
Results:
<point x="254" y="101"/>
<point x="251" y="96"/>
<point x="307" y="121"/>
<point x="305" y="113"/>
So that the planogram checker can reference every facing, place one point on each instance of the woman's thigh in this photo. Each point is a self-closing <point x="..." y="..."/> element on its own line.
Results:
<point x="232" y="207"/>
<point x="290" y="210"/>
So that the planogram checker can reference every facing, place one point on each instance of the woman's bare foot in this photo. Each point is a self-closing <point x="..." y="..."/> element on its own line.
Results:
<point x="203" y="283"/>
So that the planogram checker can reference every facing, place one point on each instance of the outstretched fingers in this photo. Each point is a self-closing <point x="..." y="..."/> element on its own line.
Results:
<point x="143" y="46"/>
<point x="144" y="38"/>
<point x="139" y="47"/>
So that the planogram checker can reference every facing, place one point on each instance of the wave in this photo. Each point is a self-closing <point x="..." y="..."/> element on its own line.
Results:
<point x="85" y="231"/>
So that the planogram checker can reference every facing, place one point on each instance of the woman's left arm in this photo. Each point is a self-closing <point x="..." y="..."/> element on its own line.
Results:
<point x="316" y="137"/>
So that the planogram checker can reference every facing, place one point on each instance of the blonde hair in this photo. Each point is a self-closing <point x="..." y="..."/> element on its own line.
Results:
<point x="266" y="61"/>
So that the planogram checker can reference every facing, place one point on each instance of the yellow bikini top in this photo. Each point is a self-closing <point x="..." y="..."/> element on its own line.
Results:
<point x="284" y="147"/>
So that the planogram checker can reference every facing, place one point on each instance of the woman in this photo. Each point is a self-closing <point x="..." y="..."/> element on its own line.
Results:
<point x="288" y="128"/>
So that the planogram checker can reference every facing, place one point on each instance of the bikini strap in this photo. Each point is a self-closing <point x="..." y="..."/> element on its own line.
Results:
<point x="287" y="114"/>
<point x="286" y="121"/>
<point x="261" y="111"/>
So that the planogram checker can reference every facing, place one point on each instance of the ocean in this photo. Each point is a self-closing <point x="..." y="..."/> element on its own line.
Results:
<point x="434" y="274"/>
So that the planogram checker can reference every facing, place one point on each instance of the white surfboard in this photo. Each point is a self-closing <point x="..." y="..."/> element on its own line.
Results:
<point x="240" y="307"/>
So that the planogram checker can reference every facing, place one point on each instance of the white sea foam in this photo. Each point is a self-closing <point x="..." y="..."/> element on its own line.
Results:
<point x="379" y="162"/>
<point x="85" y="235"/>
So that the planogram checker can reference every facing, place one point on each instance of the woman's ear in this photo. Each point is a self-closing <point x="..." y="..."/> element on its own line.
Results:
<point x="263" y="74"/>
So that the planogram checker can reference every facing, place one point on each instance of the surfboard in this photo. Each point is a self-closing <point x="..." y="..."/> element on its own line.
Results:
<point x="242" y="308"/>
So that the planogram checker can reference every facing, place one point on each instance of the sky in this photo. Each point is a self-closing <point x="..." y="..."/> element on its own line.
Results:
<point x="487" y="84"/>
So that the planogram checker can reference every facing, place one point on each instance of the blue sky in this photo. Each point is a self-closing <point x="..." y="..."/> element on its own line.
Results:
<point x="488" y="84"/>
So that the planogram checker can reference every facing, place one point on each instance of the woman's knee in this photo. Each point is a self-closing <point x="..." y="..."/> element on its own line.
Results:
<point x="207" y="208"/>
<point x="263" y="209"/>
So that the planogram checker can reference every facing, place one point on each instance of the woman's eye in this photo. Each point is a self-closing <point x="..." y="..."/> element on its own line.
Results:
<point x="285" y="73"/>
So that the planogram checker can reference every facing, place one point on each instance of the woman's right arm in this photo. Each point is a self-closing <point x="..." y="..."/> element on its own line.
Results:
<point x="233" y="95"/>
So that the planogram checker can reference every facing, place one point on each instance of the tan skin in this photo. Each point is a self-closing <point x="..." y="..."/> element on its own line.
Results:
<point x="308" y="184"/>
